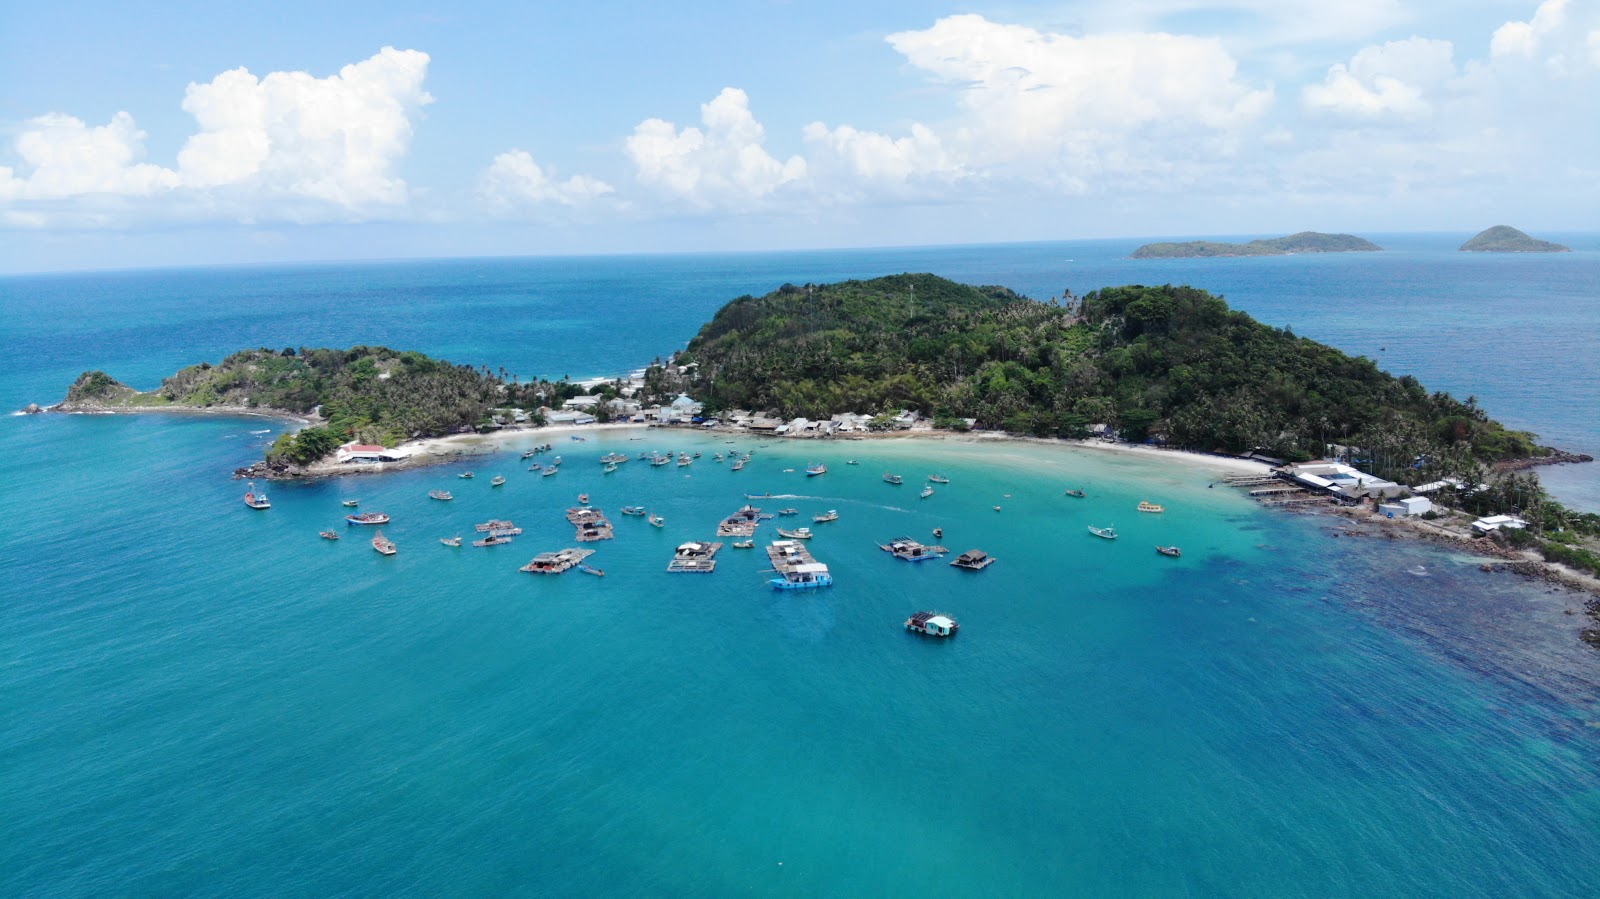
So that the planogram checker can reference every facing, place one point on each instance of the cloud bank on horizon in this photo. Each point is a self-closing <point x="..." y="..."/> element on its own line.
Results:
<point x="1117" y="108"/>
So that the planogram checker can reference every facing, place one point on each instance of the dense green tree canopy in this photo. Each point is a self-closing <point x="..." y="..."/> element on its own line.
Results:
<point x="1170" y="362"/>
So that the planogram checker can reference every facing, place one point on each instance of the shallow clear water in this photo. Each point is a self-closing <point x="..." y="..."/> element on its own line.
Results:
<point x="202" y="698"/>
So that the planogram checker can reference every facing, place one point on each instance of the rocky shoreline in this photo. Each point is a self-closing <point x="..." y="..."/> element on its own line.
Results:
<point x="1556" y="457"/>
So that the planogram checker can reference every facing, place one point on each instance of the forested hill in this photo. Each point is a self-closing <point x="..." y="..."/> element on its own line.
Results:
<point x="367" y="393"/>
<point x="1169" y="361"/>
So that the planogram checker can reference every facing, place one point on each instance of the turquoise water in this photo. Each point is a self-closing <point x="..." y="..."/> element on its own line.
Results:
<point x="205" y="699"/>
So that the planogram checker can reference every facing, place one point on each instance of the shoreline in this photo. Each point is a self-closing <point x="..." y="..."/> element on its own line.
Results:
<point x="456" y="448"/>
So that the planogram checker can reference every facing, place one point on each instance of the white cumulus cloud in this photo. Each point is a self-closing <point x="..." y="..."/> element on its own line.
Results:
<point x="1393" y="78"/>
<point x="1523" y="38"/>
<point x="515" y="180"/>
<point x="287" y="145"/>
<point x="1029" y="91"/>
<point x="846" y="157"/>
<point x="726" y="165"/>
<point x="336" y="139"/>
<point x="64" y="157"/>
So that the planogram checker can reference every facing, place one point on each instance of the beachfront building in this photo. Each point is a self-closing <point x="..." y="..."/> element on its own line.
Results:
<point x="850" y="422"/>
<point x="1496" y="522"/>
<point x="584" y="403"/>
<point x="569" y="417"/>
<point x="685" y="406"/>
<point x="358" y="453"/>
<point x="1403" y="508"/>
<point x="1336" y="477"/>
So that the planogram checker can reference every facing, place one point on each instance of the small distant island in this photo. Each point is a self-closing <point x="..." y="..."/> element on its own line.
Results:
<point x="1506" y="239"/>
<point x="1304" y="242"/>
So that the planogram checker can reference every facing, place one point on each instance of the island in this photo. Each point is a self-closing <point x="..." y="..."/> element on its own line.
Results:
<point x="1506" y="239"/>
<point x="365" y="395"/>
<point x="1171" y="366"/>
<point x="1303" y="242"/>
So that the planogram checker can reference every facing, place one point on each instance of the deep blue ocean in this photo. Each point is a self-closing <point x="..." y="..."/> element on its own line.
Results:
<point x="202" y="699"/>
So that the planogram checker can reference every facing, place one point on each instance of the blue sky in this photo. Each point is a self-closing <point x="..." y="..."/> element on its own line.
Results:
<point x="262" y="132"/>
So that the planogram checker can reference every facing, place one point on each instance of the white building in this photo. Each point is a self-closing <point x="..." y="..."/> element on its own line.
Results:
<point x="1335" y="477"/>
<point x="1496" y="522"/>
<point x="353" y="452"/>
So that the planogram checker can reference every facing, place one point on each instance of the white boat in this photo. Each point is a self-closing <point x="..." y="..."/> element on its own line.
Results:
<point x="497" y="481"/>
<point x="257" y="499"/>
<point x="1147" y="506"/>
<point x="1107" y="532"/>
<point x="383" y="545"/>
<point x="926" y="492"/>
<point x="830" y="515"/>
<point x="797" y="533"/>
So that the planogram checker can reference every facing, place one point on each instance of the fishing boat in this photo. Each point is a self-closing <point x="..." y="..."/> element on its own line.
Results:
<point x="658" y="460"/>
<point x="658" y="521"/>
<point x="1107" y="532"/>
<point x="535" y="466"/>
<point x="797" y="533"/>
<point x="697" y="454"/>
<point x="739" y="465"/>
<point x="938" y="533"/>
<point x="440" y="495"/>
<point x="383" y="545"/>
<point x="932" y="624"/>
<point x="815" y="469"/>
<point x="926" y="492"/>
<point x="892" y="478"/>
<point x="633" y="510"/>
<point x="851" y="462"/>
<point x="466" y="475"/>
<point x="529" y="454"/>
<point x="367" y="518"/>
<point x="493" y="538"/>
<point x="498" y="480"/>
<point x="684" y="460"/>
<point x="330" y="535"/>
<point x="830" y="515"/>
<point x="938" y="479"/>
<point x="610" y="467"/>
<point x="973" y="560"/>
<point x="257" y="499"/>
<point x="577" y="439"/>
<point x="583" y="499"/>
<point x="590" y="569"/>
<point x="717" y="457"/>
<point x="552" y="471"/>
<point x="451" y="541"/>
<point x="556" y="461"/>
<point x="788" y="511"/>
<point x="613" y="459"/>
<point x="744" y="544"/>
<point x="1172" y="551"/>
<point x="1147" y="506"/>
<point x="351" y="503"/>
<point x="1078" y="493"/>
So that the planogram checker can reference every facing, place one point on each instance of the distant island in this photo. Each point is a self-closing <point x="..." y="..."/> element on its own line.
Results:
<point x="1304" y="242"/>
<point x="1506" y="239"/>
